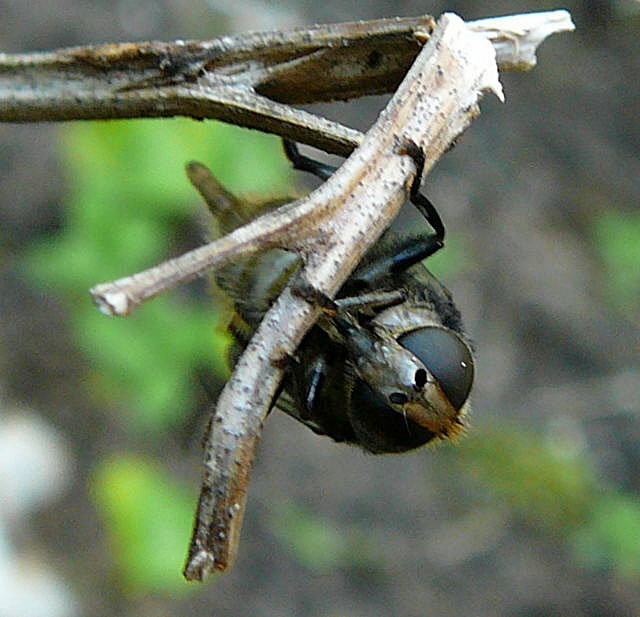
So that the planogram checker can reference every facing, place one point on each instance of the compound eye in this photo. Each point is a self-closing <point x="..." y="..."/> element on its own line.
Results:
<point x="447" y="357"/>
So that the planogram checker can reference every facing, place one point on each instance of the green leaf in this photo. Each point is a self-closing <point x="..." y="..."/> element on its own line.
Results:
<point x="148" y="519"/>
<point x="610" y="536"/>
<point x="314" y="543"/>
<point x="618" y="241"/>
<point x="127" y="191"/>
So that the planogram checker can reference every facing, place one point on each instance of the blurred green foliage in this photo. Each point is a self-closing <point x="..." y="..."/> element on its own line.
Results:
<point x="128" y="195"/>
<point x="316" y="544"/>
<point x="556" y="491"/>
<point x="545" y="484"/>
<point x="149" y="518"/>
<point x="319" y="546"/>
<point x="128" y="199"/>
<point x="618" y="241"/>
<point x="611" y="535"/>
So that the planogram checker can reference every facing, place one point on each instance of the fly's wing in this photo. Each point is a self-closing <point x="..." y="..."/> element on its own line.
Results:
<point x="255" y="283"/>
<point x="228" y="211"/>
<point x="252" y="283"/>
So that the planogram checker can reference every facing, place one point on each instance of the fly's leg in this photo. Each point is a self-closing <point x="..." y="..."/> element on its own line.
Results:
<point x="342" y="320"/>
<point x="336" y="309"/>
<point x="341" y="315"/>
<point x="404" y="256"/>
<point x="409" y="147"/>
<point x="400" y="257"/>
<point x="313" y="295"/>
<point x="413" y="250"/>
<point x="304" y="163"/>
<point x="374" y="300"/>
<point x="424" y="205"/>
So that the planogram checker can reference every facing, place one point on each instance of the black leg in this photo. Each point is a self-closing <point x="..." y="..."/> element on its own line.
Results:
<point x="409" y="147"/>
<point x="312" y="295"/>
<point x="411" y="252"/>
<point x="425" y="207"/>
<point x="404" y="255"/>
<point x="341" y="319"/>
<point x="304" y="163"/>
<point x="373" y="300"/>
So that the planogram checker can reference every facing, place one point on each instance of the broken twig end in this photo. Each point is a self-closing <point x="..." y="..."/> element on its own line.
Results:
<point x="111" y="303"/>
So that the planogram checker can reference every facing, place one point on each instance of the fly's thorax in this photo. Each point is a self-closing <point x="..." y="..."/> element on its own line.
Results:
<point x="402" y="318"/>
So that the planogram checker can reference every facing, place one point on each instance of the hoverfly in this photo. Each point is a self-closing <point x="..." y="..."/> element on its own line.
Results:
<point x="388" y="366"/>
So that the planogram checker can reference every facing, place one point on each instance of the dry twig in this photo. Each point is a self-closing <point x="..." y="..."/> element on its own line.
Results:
<point x="249" y="80"/>
<point x="331" y="229"/>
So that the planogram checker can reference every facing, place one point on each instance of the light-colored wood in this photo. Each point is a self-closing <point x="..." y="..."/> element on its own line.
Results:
<point x="249" y="80"/>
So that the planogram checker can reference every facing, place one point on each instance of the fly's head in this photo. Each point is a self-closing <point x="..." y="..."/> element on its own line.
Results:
<point x="424" y="374"/>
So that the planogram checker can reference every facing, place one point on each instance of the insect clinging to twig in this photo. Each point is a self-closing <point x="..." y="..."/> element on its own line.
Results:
<point x="388" y="366"/>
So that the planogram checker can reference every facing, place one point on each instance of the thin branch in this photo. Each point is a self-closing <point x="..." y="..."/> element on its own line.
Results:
<point x="249" y="79"/>
<point x="515" y="38"/>
<point x="363" y="197"/>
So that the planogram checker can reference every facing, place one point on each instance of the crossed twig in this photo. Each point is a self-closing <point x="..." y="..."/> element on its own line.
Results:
<point x="442" y="69"/>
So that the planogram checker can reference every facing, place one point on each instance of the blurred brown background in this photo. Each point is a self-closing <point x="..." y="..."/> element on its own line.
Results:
<point x="543" y="195"/>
